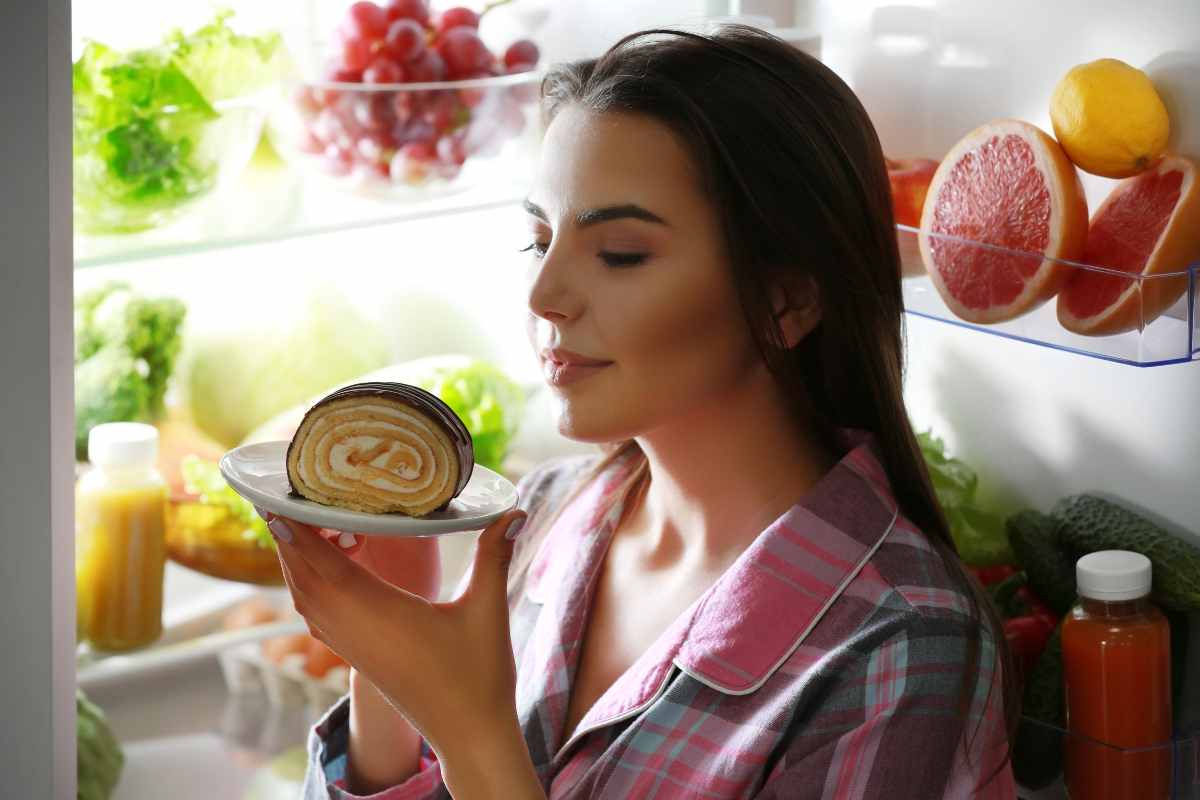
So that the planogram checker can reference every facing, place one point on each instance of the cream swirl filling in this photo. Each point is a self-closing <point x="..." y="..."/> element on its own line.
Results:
<point x="382" y="453"/>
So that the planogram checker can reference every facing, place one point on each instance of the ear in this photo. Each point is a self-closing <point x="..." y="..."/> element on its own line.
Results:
<point x="797" y="308"/>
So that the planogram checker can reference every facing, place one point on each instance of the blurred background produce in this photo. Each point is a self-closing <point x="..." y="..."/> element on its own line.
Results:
<point x="99" y="753"/>
<point x="408" y="99"/>
<point x="159" y="127"/>
<point x="126" y="345"/>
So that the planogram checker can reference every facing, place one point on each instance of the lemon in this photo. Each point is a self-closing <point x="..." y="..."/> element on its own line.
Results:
<point x="1109" y="118"/>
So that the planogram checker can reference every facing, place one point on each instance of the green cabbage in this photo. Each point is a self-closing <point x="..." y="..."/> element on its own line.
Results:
<point x="249" y="369"/>
<point x="99" y="760"/>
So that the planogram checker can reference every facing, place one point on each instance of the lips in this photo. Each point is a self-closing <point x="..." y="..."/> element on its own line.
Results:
<point x="562" y="356"/>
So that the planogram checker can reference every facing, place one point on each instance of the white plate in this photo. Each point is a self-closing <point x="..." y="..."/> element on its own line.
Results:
<point x="258" y="473"/>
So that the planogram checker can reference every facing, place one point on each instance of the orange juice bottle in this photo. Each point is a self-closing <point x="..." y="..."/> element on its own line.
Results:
<point x="120" y="543"/>
<point x="1117" y="668"/>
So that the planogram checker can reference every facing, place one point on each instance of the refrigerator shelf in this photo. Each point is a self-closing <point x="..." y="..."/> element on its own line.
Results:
<point x="1041" y="752"/>
<point x="1163" y="310"/>
<point x="274" y="203"/>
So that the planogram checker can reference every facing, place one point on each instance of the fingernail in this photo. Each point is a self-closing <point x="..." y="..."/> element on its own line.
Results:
<point x="347" y="540"/>
<point x="280" y="529"/>
<point x="514" y="528"/>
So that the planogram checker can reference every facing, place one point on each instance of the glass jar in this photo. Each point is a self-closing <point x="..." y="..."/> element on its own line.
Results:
<point x="1117" y="669"/>
<point x="120" y="545"/>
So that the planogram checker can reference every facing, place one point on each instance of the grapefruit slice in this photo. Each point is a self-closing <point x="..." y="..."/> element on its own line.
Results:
<point x="1148" y="225"/>
<point x="1008" y="186"/>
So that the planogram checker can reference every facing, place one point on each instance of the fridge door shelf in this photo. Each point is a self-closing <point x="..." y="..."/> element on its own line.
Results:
<point x="1043" y="755"/>
<point x="1162" y="313"/>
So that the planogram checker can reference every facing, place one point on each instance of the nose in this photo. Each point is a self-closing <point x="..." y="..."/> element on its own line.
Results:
<point x="552" y="294"/>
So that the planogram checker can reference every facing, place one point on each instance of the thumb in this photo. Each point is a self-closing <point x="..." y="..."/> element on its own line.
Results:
<point x="489" y="571"/>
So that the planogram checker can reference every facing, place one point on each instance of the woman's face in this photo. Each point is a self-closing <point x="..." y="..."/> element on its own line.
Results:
<point x="628" y="267"/>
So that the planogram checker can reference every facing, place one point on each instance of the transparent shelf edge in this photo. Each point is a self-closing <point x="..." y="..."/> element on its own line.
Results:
<point x="321" y="211"/>
<point x="1155" y="317"/>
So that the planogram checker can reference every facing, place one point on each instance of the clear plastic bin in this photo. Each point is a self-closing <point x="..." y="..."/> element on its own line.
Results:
<point x="1041" y="749"/>
<point x="1165" y="310"/>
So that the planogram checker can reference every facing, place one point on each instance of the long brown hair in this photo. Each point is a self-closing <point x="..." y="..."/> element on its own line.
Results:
<point x="791" y="159"/>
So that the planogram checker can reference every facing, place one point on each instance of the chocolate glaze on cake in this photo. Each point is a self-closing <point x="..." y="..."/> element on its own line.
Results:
<point x="427" y="403"/>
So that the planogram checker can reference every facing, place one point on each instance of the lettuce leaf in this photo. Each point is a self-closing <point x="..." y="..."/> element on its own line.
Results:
<point x="140" y="119"/>
<point x="204" y="478"/>
<point x="978" y="533"/>
<point x="489" y="403"/>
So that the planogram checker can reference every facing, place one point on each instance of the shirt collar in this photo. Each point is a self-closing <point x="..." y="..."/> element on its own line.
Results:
<point x="736" y="634"/>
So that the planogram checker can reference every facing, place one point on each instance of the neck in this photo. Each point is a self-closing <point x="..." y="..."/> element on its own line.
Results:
<point x="722" y="473"/>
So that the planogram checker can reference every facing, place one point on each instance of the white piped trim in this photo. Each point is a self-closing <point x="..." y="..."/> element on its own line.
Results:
<point x="850" y="576"/>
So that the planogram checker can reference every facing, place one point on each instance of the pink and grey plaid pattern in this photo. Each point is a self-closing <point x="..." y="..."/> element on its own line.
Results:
<point x="825" y="663"/>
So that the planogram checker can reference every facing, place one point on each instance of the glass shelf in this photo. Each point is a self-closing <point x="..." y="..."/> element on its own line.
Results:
<point x="1044" y="755"/>
<point x="1163" y="311"/>
<point x="272" y="201"/>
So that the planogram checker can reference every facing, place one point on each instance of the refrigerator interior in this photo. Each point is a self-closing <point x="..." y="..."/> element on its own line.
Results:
<point x="1037" y="423"/>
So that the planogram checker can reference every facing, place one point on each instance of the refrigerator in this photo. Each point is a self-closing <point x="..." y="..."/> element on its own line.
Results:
<point x="1039" y="414"/>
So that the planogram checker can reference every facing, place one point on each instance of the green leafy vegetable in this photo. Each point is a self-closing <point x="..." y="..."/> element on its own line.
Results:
<point x="303" y="348"/>
<point x="489" y="403"/>
<point x="979" y="534"/>
<point x="126" y="346"/>
<point x="100" y="760"/>
<point x="203" y="478"/>
<point x="140" y="119"/>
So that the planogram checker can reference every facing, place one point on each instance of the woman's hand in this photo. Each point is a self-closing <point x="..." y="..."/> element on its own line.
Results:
<point x="446" y="667"/>
<point x="412" y="563"/>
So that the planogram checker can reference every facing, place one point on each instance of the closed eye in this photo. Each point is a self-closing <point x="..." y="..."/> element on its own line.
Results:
<point x="623" y="259"/>
<point x="538" y="248"/>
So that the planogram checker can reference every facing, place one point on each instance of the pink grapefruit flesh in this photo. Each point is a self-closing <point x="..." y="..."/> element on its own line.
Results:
<point x="1004" y="204"/>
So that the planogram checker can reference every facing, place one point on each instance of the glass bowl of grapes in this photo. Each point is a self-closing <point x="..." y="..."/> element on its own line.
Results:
<point x="412" y="103"/>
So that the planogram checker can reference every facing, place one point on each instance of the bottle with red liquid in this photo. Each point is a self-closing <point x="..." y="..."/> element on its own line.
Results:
<point x="1117" y="668"/>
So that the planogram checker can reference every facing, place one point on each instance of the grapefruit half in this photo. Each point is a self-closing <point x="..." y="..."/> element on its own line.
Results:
<point x="1009" y="187"/>
<point x="1148" y="225"/>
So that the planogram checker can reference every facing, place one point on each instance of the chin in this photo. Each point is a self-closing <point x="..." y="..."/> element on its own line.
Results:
<point x="592" y="426"/>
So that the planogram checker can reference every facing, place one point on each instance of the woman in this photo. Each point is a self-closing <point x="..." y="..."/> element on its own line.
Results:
<point x="754" y="592"/>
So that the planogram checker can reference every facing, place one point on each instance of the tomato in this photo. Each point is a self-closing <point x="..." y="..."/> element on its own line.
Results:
<point x="1027" y="637"/>
<point x="994" y="573"/>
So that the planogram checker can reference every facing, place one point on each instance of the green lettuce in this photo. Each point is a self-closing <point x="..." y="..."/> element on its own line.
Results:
<point x="140" y="118"/>
<point x="978" y="534"/>
<point x="489" y="403"/>
<point x="203" y="478"/>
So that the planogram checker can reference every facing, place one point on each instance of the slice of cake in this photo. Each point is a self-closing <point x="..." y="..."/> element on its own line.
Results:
<point x="381" y="448"/>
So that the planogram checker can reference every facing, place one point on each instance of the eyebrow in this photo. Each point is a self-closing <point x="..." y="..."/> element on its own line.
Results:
<point x="595" y="216"/>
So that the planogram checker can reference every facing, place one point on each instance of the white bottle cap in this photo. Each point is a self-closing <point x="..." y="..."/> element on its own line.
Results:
<point x="1113" y="575"/>
<point x="123" y="444"/>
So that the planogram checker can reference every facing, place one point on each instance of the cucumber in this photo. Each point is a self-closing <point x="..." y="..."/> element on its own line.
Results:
<point x="1036" y="540"/>
<point x="1090" y="523"/>
<point x="1037" y="757"/>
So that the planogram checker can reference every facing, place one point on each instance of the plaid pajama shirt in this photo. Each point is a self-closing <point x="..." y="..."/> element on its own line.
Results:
<point x="824" y="663"/>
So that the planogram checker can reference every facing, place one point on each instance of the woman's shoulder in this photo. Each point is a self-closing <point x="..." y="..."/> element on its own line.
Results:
<point x="920" y="574"/>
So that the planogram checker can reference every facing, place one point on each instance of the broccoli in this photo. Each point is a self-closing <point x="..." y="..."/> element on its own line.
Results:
<point x="125" y="350"/>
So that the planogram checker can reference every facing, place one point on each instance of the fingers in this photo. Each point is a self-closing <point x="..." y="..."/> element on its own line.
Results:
<point x="319" y="554"/>
<point x="489" y="572"/>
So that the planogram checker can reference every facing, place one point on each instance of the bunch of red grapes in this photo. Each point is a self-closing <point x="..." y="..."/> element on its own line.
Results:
<point x="413" y="136"/>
